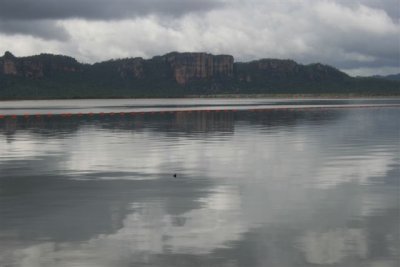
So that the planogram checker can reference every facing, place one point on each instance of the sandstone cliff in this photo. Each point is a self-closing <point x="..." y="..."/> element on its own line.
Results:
<point x="183" y="68"/>
<point x="189" y="67"/>
<point x="132" y="67"/>
<point x="174" y="74"/>
<point x="37" y="66"/>
<point x="9" y="64"/>
<point x="276" y="70"/>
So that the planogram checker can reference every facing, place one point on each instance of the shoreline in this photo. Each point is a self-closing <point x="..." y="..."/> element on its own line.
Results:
<point x="227" y="96"/>
<point x="294" y="96"/>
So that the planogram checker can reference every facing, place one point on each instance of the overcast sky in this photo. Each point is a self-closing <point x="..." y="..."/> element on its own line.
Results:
<point x="361" y="37"/>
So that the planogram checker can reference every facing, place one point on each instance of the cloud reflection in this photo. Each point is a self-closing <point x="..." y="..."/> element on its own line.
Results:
<point x="303" y="185"/>
<point x="150" y="231"/>
<point x="331" y="247"/>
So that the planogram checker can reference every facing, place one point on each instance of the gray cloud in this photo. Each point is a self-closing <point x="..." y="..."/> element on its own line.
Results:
<point x="359" y="36"/>
<point x="37" y="17"/>
<point x="390" y="7"/>
<point x="44" y="29"/>
<point x="99" y="9"/>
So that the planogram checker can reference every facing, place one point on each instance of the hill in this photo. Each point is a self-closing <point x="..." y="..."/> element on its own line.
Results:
<point x="175" y="75"/>
<point x="391" y="77"/>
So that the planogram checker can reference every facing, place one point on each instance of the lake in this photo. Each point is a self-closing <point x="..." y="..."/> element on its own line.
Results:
<point x="258" y="183"/>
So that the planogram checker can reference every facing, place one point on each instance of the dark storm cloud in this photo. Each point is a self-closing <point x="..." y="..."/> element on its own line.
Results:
<point x="348" y="34"/>
<point x="37" y="17"/>
<point x="99" y="9"/>
<point x="43" y="29"/>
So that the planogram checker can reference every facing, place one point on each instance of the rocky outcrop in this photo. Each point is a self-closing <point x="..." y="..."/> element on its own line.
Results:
<point x="174" y="73"/>
<point x="32" y="69"/>
<point x="181" y="68"/>
<point x="9" y="68"/>
<point x="9" y="64"/>
<point x="277" y="65"/>
<point x="189" y="67"/>
<point x="37" y="66"/>
<point x="277" y="70"/>
<point x="223" y="66"/>
<point x="131" y="67"/>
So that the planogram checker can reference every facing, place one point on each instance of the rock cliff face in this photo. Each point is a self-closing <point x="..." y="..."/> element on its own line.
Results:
<point x="9" y="67"/>
<point x="132" y="67"/>
<point x="182" y="68"/>
<point x="9" y="64"/>
<point x="277" y="70"/>
<point x="37" y="66"/>
<point x="189" y="67"/>
<point x="223" y="66"/>
<point x="276" y="65"/>
<point x="173" y="75"/>
<point x="32" y="69"/>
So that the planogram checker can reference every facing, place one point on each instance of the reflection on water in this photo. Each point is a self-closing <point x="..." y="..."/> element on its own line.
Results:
<point x="272" y="188"/>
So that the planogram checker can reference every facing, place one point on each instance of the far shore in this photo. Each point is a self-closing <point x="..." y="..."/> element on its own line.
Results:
<point x="294" y="96"/>
<point x="226" y="96"/>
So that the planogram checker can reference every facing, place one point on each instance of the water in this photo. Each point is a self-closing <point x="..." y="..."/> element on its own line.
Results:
<point x="274" y="187"/>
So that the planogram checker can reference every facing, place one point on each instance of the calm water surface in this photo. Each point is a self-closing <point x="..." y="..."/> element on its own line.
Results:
<point x="299" y="187"/>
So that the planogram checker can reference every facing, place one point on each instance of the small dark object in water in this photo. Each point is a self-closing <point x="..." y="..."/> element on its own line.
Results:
<point x="174" y="175"/>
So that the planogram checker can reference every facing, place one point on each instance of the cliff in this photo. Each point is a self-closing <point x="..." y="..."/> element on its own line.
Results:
<point x="187" y="67"/>
<point x="37" y="66"/>
<point x="267" y="69"/>
<point x="174" y="74"/>
<point x="184" y="68"/>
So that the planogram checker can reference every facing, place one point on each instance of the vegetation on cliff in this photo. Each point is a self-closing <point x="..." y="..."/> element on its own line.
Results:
<point x="175" y="75"/>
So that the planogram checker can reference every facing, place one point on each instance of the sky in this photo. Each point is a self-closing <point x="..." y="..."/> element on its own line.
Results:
<point x="360" y="37"/>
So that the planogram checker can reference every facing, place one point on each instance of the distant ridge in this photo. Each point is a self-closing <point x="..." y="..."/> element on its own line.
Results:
<point x="391" y="77"/>
<point x="175" y="75"/>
